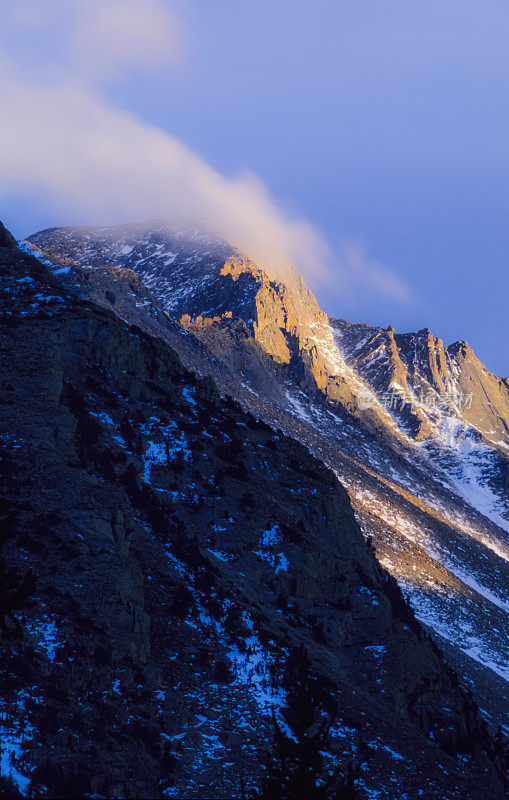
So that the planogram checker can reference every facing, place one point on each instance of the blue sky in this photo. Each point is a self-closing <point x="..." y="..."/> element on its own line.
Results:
<point x="384" y="124"/>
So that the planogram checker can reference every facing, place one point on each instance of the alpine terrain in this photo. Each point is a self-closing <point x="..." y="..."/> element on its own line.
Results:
<point x="246" y="550"/>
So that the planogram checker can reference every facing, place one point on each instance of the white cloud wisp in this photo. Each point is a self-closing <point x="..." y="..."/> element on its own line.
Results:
<point x="62" y="141"/>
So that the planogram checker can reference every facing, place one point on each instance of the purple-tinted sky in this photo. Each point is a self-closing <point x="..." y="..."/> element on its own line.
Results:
<point x="383" y="123"/>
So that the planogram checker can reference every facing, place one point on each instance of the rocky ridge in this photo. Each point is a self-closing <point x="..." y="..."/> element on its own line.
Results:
<point x="176" y="542"/>
<point x="429" y="377"/>
<point x="201" y="280"/>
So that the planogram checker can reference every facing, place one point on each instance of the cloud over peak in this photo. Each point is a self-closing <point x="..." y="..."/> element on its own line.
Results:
<point x="64" y="141"/>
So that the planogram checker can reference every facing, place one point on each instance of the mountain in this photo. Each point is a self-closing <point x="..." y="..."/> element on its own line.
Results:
<point x="392" y="415"/>
<point x="182" y="576"/>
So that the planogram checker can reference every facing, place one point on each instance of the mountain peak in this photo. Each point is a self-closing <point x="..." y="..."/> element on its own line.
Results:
<point x="460" y="348"/>
<point x="197" y="277"/>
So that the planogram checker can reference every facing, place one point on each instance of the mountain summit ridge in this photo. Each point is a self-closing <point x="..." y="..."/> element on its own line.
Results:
<point x="420" y="365"/>
<point x="198" y="278"/>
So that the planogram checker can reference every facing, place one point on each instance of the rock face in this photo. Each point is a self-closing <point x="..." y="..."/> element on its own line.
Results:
<point x="429" y="376"/>
<point x="183" y="551"/>
<point x="429" y="479"/>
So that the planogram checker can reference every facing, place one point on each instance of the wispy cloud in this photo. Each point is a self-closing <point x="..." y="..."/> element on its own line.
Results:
<point x="116" y="34"/>
<point x="92" y="41"/>
<point x="62" y="140"/>
<point x="83" y="156"/>
<point x="359" y="269"/>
